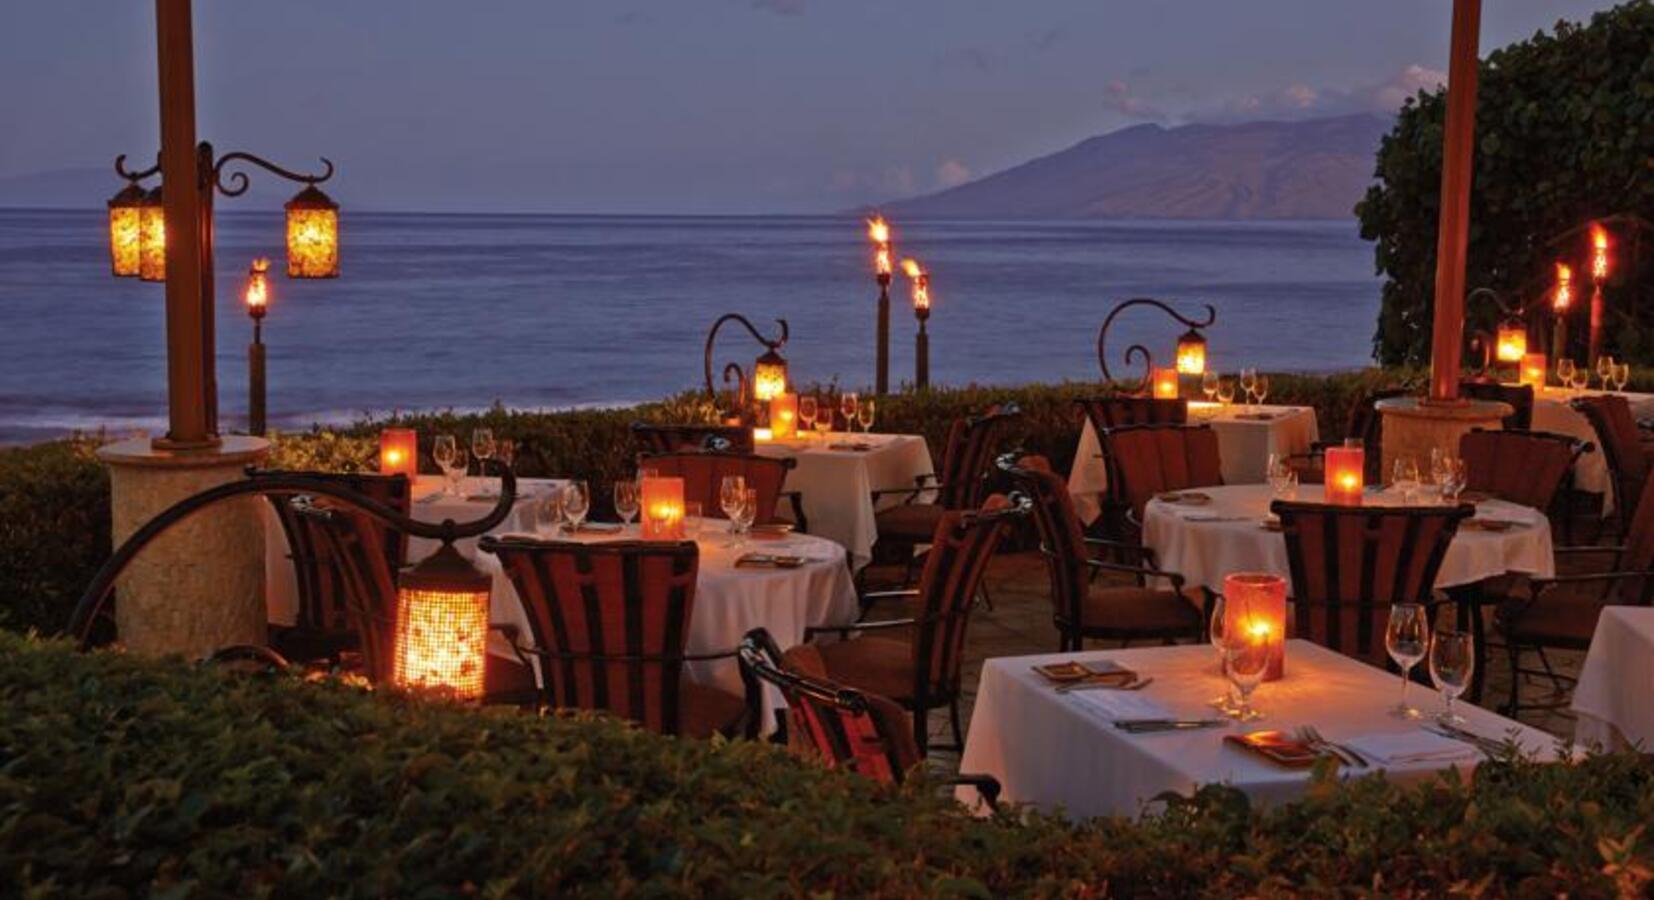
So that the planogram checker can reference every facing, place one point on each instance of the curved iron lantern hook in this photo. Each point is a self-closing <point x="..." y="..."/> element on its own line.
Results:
<point x="746" y="323"/>
<point x="739" y="375"/>
<point x="1139" y="349"/>
<point x="135" y="177"/>
<point x="447" y="531"/>
<point x="237" y="182"/>
<point x="1499" y="301"/>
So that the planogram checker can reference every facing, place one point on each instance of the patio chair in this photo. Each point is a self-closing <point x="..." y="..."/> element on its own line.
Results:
<point x="1623" y="450"/>
<point x="609" y="623"/>
<point x="1149" y="459"/>
<point x="653" y="438"/>
<point x="1524" y="467"/>
<point x="1350" y="563"/>
<point x="839" y="726"/>
<point x="916" y="661"/>
<point x="1113" y="412"/>
<point x="1538" y="614"/>
<point x="1083" y="609"/>
<point x="1520" y="398"/>
<point x="703" y="473"/>
<point x="1366" y="425"/>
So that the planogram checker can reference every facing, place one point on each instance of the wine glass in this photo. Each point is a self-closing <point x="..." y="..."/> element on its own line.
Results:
<point x="1622" y="374"/>
<point x="1247" y="655"/>
<point x="864" y="414"/>
<point x="693" y="519"/>
<point x="627" y="499"/>
<point x="456" y="473"/>
<point x="1451" y="479"/>
<point x="807" y="412"/>
<point x="1260" y="387"/>
<point x="1582" y="379"/>
<point x="577" y="501"/>
<point x="1406" y="637"/>
<point x="1248" y="381"/>
<point x="824" y="418"/>
<point x="746" y="510"/>
<point x="1565" y="371"/>
<point x="482" y="447"/>
<point x="1404" y="477"/>
<point x="1452" y="662"/>
<point x="1605" y="370"/>
<point x="1283" y="479"/>
<point x="506" y="452"/>
<point x="730" y="492"/>
<point x="847" y="406"/>
<point x="1214" y="635"/>
<point x="442" y="452"/>
<point x="1226" y="391"/>
<point x="1209" y="385"/>
<point x="550" y="512"/>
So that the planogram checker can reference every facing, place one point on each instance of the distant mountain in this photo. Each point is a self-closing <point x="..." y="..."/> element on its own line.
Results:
<point x="1310" y="169"/>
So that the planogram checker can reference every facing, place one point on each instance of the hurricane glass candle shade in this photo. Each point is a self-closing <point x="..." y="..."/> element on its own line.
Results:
<point x="442" y="626"/>
<point x="769" y="376"/>
<point x="1254" y="607"/>
<point x="399" y="452"/>
<point x="152" y="239"/>
<point x="312" y="235"/>
<point x="125" y="230"/>
<point x="1165" y="384"/>
<point x="1345" y="475"/>
<point x="663" y="508"/>
<point x="1510" y="342"/>
<point x="1533" y="370"/>
<point x="1191" y="353"/>
<point x="784" y="416"/>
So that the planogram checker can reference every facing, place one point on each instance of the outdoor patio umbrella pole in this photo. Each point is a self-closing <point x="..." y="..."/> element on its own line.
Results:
<point x="1453" y="233"/>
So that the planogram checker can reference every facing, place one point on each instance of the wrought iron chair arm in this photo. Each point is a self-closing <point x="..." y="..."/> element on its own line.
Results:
<point x="986" y="785"/>
<point x="921" y="483"/>
<point x="628" y="657"/>
<point x="842" y="630"/>
<point x="1140" y="571"/>
<point x="250" y="652"/>
<point x="886" y="595"/>
<point x="1143" y="551"/>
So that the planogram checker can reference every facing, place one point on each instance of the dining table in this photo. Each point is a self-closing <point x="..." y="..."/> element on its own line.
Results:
<point x="1611" y="701"/>
<point x="1063" y="751"/>
<point x="1552" y="413"/>
<point x="1247" y="436"/>
<point x="836" y="474"/>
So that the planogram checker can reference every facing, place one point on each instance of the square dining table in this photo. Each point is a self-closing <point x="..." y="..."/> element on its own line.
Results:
<point x="1061" y="751"/>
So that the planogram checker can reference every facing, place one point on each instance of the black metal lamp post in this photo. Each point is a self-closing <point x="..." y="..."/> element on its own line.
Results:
<point x="1191" y="345"/>
<point x="769" y="370"/>
<point x="878" y="231"/>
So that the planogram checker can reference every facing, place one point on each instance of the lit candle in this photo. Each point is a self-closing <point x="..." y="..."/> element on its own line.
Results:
<point x="1165" y="384"/>
<point x="1511" y="343"/>
<point x="663" y="506"/>
<point x="784" y="416"/>
<point x="1255" y="606"/>
<point x="1534" y="370"/>
<point x="1345" y="474"/>
<point x="399" y="452"/>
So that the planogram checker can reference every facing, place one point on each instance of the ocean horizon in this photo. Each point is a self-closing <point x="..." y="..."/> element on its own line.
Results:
<point x="464" y="310"/>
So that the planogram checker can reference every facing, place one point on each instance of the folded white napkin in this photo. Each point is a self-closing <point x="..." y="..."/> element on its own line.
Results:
<point x="1400" y="748"/>
<point x="1114" y="705"/>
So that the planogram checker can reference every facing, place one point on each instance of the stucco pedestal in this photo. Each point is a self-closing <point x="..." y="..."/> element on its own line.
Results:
<point x="1414" y="427"/>
<point x="200" y="586"/>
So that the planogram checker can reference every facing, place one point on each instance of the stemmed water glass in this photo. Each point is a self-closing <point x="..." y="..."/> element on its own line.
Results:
<point x="1582" y="379"/>
<point x="1452" y="662"/>
<point x="1283" y="479"/>
<point x="1247" y="655"/>
<point x="1248" y="382"/>
<point x="506" y="452"/>
<point x="1226" y="391"/>
<point x="864" y="414"/>
<point x="824" y="418"/>
<point x="1622" y="374"/>
<point x="1451" y="478"/>
<point x="746" y="510"/>
<point x="1209" y="385"/>
<point x="627" y="500"/>
<point x="1565" y="372"/>
<point x="1406" y="637"/>
<point x="1214" y="635"/>
<point x="847" y="405"/>
<point x="550" y="510"/>
<point x="577" y="501"/>
<point x="1605" y="371"/>
<point x="482" y="447"/>
<point x="442" y="451"/>
<point x="730" y="492"/>
<point x="1405" y="477"/>
<point x="807" y="412"/>
<point x="1260" y="387"/>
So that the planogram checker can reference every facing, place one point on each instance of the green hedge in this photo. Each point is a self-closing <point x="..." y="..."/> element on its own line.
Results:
<point x="121" y="776"/>
<point x="54" y="503"/>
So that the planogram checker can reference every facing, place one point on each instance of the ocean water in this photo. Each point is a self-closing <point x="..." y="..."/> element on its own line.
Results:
<point x="460" y="311"/>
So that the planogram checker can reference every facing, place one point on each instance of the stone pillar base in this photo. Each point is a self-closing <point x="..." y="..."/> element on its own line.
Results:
<point x="200" y="586"/>
<point x="1413" y="427"/>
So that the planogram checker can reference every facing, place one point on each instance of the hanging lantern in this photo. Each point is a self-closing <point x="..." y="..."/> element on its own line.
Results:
<point x="1510" y="341"/>
<point x="1191" y="353"/>
<point x="442" y="626"/>
<point x="312" y="235"/>
<point x="125" y="229"/>
<point x="152" y="238"/>
<point x="399" y="452"/>
<point x="769" y="376"/>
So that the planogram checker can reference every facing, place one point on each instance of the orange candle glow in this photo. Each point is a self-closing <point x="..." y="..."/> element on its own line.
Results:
<point x="399" y="452"/>
<point x="762" y="435"/>
<point x="878" y="231"/>
<point x="1165" y="384"/>
<point x="1345" y="475"/>
<point x="1599" y="253"/>
<point x="921" y="286"/>
<point x="784" y="416"/>
<point x="1563" y="296"/>
<point x="257" y="295"/>
<point x="662" y="501"/>
<point x="1511" y="342"/>
<point x="1534" y="370"/>
<point x="442" y="626"/>
<point x="1255" y="605"/>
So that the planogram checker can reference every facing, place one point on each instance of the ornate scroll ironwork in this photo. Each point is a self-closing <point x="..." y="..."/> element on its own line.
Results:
<point x="1139" y="349"/>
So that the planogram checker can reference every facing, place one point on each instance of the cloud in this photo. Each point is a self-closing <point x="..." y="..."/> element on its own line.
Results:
<point x="952" y="173"/>
<point x="780" y="7"/>
<point x="1118" y="97"/>
<point x="881" y="184"/>
<point x="1300" y="101"/>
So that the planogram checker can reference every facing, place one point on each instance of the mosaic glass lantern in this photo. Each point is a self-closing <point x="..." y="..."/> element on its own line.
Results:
<point x="126" y="229"/>
<point x="152" y="238"/>
<point x="442" y="626"/>
<point x="312" y="235"/>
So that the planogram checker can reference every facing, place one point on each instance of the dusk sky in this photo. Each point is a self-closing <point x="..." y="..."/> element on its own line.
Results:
<point x="701" y="105"/>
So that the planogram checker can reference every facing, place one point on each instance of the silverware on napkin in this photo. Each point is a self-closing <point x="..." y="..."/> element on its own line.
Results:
<point x="1146" y="726"/>
<point x="1104" y="685"/>
<point x="1489" y="747"/>
<point x="1311" y="735"/>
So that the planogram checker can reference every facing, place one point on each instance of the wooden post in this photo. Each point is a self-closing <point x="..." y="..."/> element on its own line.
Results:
<point x="1453" y="230"/>
<point x="921" y="357"/>
<point x="882" y="373"/>
<point x="256" y="425"/>
<point x="189" y="252"/>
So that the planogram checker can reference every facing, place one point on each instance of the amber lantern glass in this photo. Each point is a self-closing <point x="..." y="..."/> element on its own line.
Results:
<point x="662" y="501"/>
<point x="1165" y="384"/>
<point x="1535" y="368"/>
<point x="784" y="416"/>
<point x="1345" y="475"/>
<point x="442" y="626"/>
<point x="152" y="238"/>
<point x="769" y="376"/>
<point x="1191" y="353"/>
<point x="1255" y="603"/>
<point x="1511" y="341"/>
<point x="125" y="229"/>
<point x="399" y="452"/>
<point x="312" y="235"/>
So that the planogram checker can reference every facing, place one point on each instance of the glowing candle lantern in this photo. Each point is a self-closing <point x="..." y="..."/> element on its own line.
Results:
<point x="399" y="452"/>
<point x="784" y="416"/>
<point x="1165" y="384"/>
<point x="1254" y="604"/>
<point x="662" y="501"/>
<point x="769" y="376"/>
<point x="312" y="235"/>
<point x="1345" y="470"/>
<point x="1563" y="295"/>
<point x="1511" y="341"/>
<point x="762" y="435"/>
<point x="125" y="230"/>
<point x="1191" y="353"/>
<point x="152" y="239"/>
<point x="442" y="626"/>
<point x="1533" y="370"/>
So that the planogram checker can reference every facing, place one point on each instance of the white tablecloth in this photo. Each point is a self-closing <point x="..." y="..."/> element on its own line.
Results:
<point x="1552" y="413"/>
<point x="429" y="505"/>
<point x="1204" y="552"/>
<point x="1243" y="443"/>
<point x="838" y="485"/>
<point x="1056" y="750"/>
<point x="729" y="602"/>
<point x="1617" y="681"/>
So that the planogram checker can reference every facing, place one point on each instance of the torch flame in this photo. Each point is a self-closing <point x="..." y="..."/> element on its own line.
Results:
<point x="912" y="268"/>
<point x="921" y="284"/>
<point x="1599" y="252"/>
<point x="257" y="287"/>
<point x="1564" y="296"/>
<point x="878" y="230"/>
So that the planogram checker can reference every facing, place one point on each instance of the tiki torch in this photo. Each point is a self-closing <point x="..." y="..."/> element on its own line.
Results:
<point x="1562" y="297"/>
<point x="1599" y="274"/>
<point x="878" y="231"/>
<point x="258" y="303"/>
<point x="921" y="311"/>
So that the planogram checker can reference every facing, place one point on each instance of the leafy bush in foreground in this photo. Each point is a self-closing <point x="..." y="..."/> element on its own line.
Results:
<point x="123" y="776"/>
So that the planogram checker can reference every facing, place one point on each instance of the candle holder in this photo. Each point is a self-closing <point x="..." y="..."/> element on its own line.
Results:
<point x="1255" y="602"/>
<point x="769" y="370"/>
<point x="661" y="499"/>
<point x="1533" y="371"/>
<point x="399" y="452"/>
<point x="1345" y="475"/>
<point x="1165" y="384"/>
<point x="1191" y="345"/>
